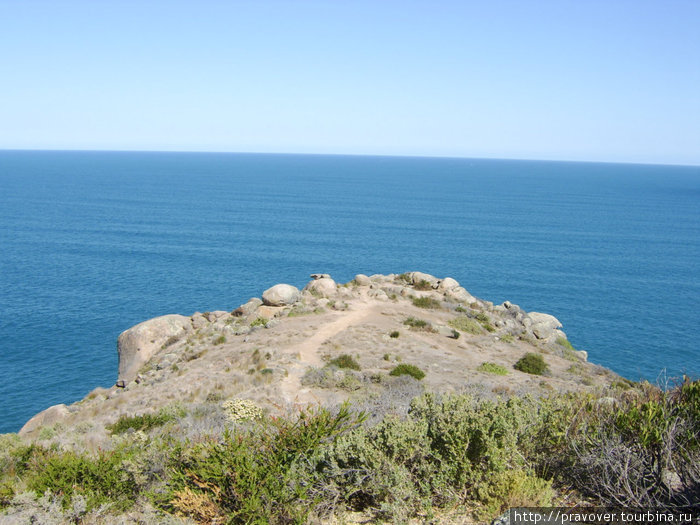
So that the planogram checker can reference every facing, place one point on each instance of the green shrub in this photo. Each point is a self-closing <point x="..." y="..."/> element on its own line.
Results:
<point x="260" y="321"/>
<point x="405" y="369"/>
<point x="220" y="340"/>
<point x="345" y="361"/>
<point x="455" y="334"/>
<point x="465" y="324"/>
<point x="262" y="476"/>
<point x="418" y="324"/>
<point x="426" y="302"/>
<point x="423" y="285"/>
<point x="394" y="334"/>
<point x="100" y="480"/>
<point x="563" y="341"/>
<point x="532" y="363"/>
<point x="142" y="422"/>
<point x="493" y="368"/>
<point x="507" y="338"/>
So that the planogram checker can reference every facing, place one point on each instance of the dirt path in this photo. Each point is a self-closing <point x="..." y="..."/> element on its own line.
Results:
<point x="307" y="352"/>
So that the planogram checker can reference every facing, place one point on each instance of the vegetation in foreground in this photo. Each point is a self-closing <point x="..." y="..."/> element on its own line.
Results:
<point x="639" y="447"/>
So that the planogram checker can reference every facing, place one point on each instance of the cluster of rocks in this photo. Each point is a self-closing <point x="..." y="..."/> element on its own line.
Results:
<point x="162" y="342"/>
<point x="139" y="344"/>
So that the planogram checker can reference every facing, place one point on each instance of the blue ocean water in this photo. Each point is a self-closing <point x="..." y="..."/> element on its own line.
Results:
<point x="92" y="243"/>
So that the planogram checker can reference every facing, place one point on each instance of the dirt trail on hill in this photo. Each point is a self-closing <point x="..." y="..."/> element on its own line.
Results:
<point x="307" y="352"/>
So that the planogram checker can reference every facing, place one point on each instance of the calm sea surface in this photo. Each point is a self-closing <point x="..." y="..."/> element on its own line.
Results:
<point x="92" y="243"/>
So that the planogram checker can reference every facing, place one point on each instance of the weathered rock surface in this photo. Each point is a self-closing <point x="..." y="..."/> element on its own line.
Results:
<point x="543" y="325"/>
<point x="323" y="287"/>
<point x="362" y="280"/>
<point x="139" y="343"/>
<point x="248" y="308"/>
<point x="281" y="295"/>
<point x="50" y="416"/>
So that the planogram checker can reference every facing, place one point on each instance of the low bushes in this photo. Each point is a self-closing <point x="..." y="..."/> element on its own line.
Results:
<point x="493" y="368"/>
<point x="636" y="448"/>
<point x="532" y="363"/>
<point x="345" y="361"/>
<point x="410" y="370"/>
<point x="426" y="302"/>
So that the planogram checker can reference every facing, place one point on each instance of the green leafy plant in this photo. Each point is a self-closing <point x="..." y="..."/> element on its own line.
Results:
<point x="465" y="324"/>
<point x="394" y="334"/>
<point x="532" y="363"/>
<point x="493" y="368"/>
<point x="427" y="302"/>
<point x="406" y="369"/>
<point x="345" y="361"/>
<point x="418" y="324"/>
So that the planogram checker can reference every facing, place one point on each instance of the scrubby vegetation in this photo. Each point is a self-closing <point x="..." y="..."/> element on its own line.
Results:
<point x="532" y="363"/>
<point x="466" y="324"/>
<point x="426" y="302"/>
<point x="345" y="361"/>
<point x="407" y="370"/>
<point x="634" y="448"/>
<point x="418" y="324"/>
<point x="493" y="368"/>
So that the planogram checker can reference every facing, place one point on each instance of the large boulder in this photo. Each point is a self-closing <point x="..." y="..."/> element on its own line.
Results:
<point x="248" y="308"/>
<point x="139" y="343"/>
<point x="281" y="295"/>
<point x="460" y="295"/>
<point x="362" y="280"/>
<point x="543" y="325"/>
<point x="418" y="277"/>
<point x="323" y="287"/>
<point x="448" y="283"/>
<point x="50" y="416"/>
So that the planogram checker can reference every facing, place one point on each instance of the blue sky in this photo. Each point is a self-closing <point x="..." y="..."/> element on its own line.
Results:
<point x="610" y="80"/>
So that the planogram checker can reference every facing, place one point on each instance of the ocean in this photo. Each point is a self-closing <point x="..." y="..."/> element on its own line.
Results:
<point x="92" y="243"/>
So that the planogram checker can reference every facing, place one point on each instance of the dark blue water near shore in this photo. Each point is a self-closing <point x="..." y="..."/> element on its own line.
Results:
<point x="92" y="243"/>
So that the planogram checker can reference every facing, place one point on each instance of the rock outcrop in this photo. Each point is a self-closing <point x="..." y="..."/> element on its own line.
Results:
<point x="50" y="416"/>
<point x="139" y="343"/>
<point x="281" y="295"/>
<point x="323" y="287"/>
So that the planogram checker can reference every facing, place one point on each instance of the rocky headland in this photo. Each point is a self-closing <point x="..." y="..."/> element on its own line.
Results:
<point x="269" y="350"/>
<point x="390" y="398"/>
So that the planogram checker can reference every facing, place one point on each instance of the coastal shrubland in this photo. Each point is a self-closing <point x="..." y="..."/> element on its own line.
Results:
<point x="638" y="447"/>
<point x="214" y="420"/>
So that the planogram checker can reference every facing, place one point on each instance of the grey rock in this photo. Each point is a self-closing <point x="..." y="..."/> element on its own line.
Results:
<point x="417" y="277"/>
<point x="448" y="283"/>
<point x="460" y="295"/>
<point x="50" y="416"/>
<point x="281" y="295"/>
<point x="325" y="287"/>
<point x="198" y="321"/>
<point x="248" y="308"/>
<point x="543" y="325"/>
<point x="139" y="343"/>
<point x="362" y="280"/>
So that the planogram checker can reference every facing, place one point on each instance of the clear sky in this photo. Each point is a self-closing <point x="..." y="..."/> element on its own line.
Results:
<point x="598" y="80"/>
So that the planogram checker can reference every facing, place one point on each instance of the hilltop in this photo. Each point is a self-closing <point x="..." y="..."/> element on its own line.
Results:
<point x="394" y="397"/>
<point x="273" y="350"/>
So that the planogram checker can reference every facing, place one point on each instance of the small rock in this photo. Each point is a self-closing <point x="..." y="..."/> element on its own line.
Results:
<point x="317" y="276"/>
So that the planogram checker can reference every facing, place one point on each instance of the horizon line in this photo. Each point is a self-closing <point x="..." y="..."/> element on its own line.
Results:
<point x="381" y="155"/>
